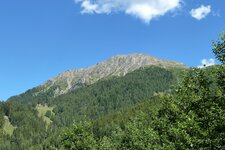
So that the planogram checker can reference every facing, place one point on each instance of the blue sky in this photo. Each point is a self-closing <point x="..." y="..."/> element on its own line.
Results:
<point x="40" y="39"/>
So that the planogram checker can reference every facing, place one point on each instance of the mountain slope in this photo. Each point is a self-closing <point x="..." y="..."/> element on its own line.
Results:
<point x="118" y="65"/>
<point x="129" y="80"/>
<point x="112" y="94"/>
<point x="105" y="97"/>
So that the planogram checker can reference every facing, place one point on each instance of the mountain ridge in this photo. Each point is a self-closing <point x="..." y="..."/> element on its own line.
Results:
<point x="117" y="65"/>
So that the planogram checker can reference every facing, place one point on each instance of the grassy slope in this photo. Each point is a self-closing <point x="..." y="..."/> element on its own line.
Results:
<point x="42" y="111"/>
<point x="8" y="128"/>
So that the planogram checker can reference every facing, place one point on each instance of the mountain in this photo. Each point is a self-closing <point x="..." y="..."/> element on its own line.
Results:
<point x="118" y="65"/>
<point x="37" y="117"/>
<point x="36" y="122"/>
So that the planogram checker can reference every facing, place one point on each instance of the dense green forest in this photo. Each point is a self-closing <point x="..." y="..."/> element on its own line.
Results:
<point x="149" y="108"/>
<point x="107" y="97"/>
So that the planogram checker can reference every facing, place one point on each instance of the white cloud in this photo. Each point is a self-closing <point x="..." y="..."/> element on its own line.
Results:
<point x="145" y="10"/>
<point x="206" y="63"/>
<point x="200" y="12"/>
<point x="90" y="8"/>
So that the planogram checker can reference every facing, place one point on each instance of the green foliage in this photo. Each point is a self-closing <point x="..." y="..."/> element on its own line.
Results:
<point x="193" y="117"/>
<point x="29" y="129"/>
<point x="126" y="129"/>
<point x="80" y="137"/>
<point x="48" y="114"/>
<point x="134" y="135"/>
<point x="138" y="134"/>
<point x="2" y="120"/>
<point x="219" y="48"/>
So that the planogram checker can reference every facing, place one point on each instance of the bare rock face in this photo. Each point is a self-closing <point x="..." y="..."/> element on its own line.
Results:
<point x="118" y="65"/>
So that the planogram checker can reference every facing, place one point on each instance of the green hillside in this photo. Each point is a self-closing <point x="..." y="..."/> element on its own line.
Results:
<point x="106" y="97"/>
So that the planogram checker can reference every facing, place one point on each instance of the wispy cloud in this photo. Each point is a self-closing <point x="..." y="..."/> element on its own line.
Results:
<point x="216" y="13"/>
<point x="200" y="12"/>
<point x="145" y="10"/>
<point x="207" y="62"/>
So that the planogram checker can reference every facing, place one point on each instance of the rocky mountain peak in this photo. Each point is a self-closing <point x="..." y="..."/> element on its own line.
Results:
<point x="118" y="65"/>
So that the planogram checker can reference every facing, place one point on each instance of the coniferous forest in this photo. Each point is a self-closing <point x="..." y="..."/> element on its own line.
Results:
<point x="150" y="108"/>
